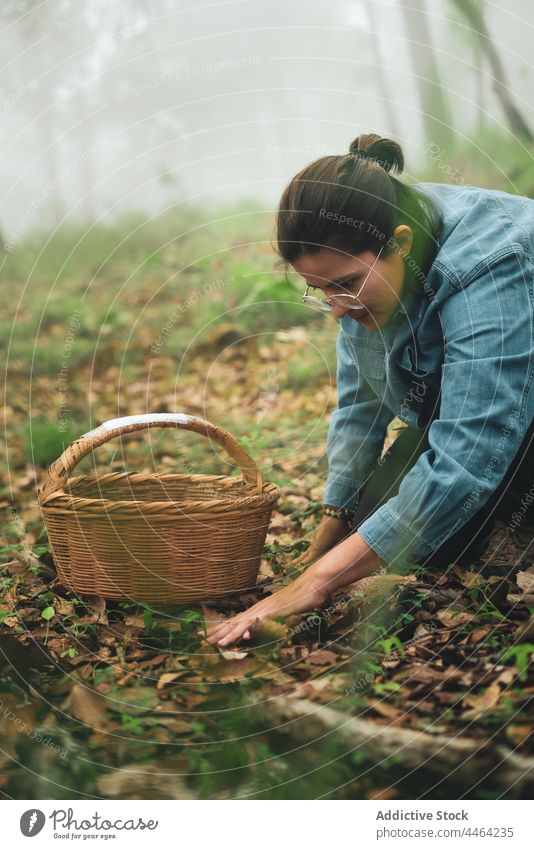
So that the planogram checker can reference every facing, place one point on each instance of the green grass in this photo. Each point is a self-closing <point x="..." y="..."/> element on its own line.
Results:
<point x="495" y="160"/>
<point x="44" y="441"/>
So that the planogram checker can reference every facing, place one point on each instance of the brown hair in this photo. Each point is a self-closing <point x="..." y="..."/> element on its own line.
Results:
<point x="353" y="203"/>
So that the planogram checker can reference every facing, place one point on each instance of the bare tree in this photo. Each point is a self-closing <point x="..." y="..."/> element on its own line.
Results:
<point x="382" y="79"/>
<point x="433" y="96"/>
<point x="473" y="12"/>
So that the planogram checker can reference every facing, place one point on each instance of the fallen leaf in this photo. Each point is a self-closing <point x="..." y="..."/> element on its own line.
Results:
<point x="525" y="581"/>
<point x="135" y="621"/>
<point x="144" y="781"/>
<point x="228" y="654"/>
<point x="481" y="703"/>
<point x="506" y="676"/>
<point x="385" y="709"/>
<point x="168" y="678"/>
<point x="11" y="621"/>
<point x="519" y="734"/>
<point x="322" y="657"/>
<point x="97" y="606"/>
<point x="383" y="793"/>
<point x="318" y="690"/>
<point x="468" y="579"/>
<point x="63" y="607"/>
<point x="212" y="616"/>
<point x="423" y="674"/>
<point x="174" y="725"/>
<point x="89" y="706"/>
<point x="454" y="618"/>
<point x="270" y="631"/>
<point x="478" y="635"/>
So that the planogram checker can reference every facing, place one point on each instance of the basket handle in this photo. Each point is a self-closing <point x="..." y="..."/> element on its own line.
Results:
<point x="58" y="473"/>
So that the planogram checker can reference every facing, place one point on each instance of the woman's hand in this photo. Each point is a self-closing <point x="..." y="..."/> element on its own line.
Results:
<point x="349" y="561"/>
<point x="329" y="533"/>
<point x="300" y="595"/>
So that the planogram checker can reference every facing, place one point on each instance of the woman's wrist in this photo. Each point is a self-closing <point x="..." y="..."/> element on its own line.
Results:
<point x="349" y="561"/>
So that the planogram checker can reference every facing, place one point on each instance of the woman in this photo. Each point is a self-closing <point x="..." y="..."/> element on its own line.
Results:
<point x="433" y="287"/>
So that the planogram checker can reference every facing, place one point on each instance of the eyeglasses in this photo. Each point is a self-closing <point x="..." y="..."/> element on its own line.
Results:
<point x="343" y="300"/>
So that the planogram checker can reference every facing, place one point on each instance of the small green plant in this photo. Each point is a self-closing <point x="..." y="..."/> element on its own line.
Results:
<point x="48" y="613"/>
<point x="387" y="687"/>
<point x="148" y="614"/>
<point x="134" y="724"/>
<point x="4" y="614"/>
<point x="72" y="652"/>
<point x="388" y="644"/>
<point x="520" y="655"/>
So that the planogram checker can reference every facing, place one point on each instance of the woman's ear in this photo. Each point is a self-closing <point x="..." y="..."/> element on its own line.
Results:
<point x="403" y="235"/>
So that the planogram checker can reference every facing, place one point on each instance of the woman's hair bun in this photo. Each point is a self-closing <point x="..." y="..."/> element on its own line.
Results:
<point x="386" y="152"/>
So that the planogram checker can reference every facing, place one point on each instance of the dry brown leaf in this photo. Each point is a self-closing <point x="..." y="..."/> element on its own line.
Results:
<point x="481" y="703"/>
<point x="322" y="657"/>
<point x="376" y="586"/>
<point x="423" y="674"/>
<point x="89" y="706"/>
<point x="506" y="676"/>
<point x="525" y="581"/>
<point x="519" y="734"/>
<point x="152" y="661"/>
<point x="478" y="635"/>
<point x="97" y="605"/>
<point x="280" y="524"/>
<point x="175" y="725"/>
<point x="143" y="781"/>
<point x="63" y="607"/>
<point x="212" y="616"/>
<point x="318" y="690"/>
<point x="168" y="678"/>
<point x="85" y="671"/>
<point x="11" y="621"/>
<point x="454" y="618"/>
<point x="229" y="654"/>
<point x="385" y="709"/>
<point x="212" y="667"/>
<point x="135" y="621"/>
<point x="383" y="794"/>
<point x="470" y="579"/>
<point x="270" y="631"/>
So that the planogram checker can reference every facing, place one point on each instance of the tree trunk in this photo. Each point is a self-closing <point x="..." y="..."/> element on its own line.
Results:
<point x="435" y="110"/>
<point x="382" y="79"/>
<point x="467" y="758"/>
<point x="475" y="18"/>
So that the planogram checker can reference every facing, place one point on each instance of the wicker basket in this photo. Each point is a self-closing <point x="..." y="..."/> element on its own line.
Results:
<point x="156" y="537"/>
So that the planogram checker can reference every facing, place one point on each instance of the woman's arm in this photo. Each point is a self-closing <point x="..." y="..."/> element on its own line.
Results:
<point x="356" y="431"/>
<point x="349" y="561"/>
<point x="486" y="406"/>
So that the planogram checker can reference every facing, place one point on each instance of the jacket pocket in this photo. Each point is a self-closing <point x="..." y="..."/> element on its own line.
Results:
<point x="370" y="357"/>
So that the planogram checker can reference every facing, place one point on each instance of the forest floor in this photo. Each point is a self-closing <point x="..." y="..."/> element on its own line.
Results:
<point x="420" y="684"/>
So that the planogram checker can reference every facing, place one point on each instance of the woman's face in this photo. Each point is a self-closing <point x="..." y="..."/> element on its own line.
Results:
<point x="330" y="271"/>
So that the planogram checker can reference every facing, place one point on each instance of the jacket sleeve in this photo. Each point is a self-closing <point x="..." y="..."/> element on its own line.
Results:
<point x="356" y="432"/>
<point x="487" y="404"/>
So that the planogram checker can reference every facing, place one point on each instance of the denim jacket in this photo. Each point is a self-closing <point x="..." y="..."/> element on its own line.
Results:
<point x="456" y="358"/>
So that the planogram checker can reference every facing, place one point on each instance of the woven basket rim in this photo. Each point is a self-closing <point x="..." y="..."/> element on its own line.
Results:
<point x="64" y="501"/>
<point x="158" y="476"/>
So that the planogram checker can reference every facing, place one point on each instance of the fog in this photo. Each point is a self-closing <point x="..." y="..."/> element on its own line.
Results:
<point x="111" y="106"/>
